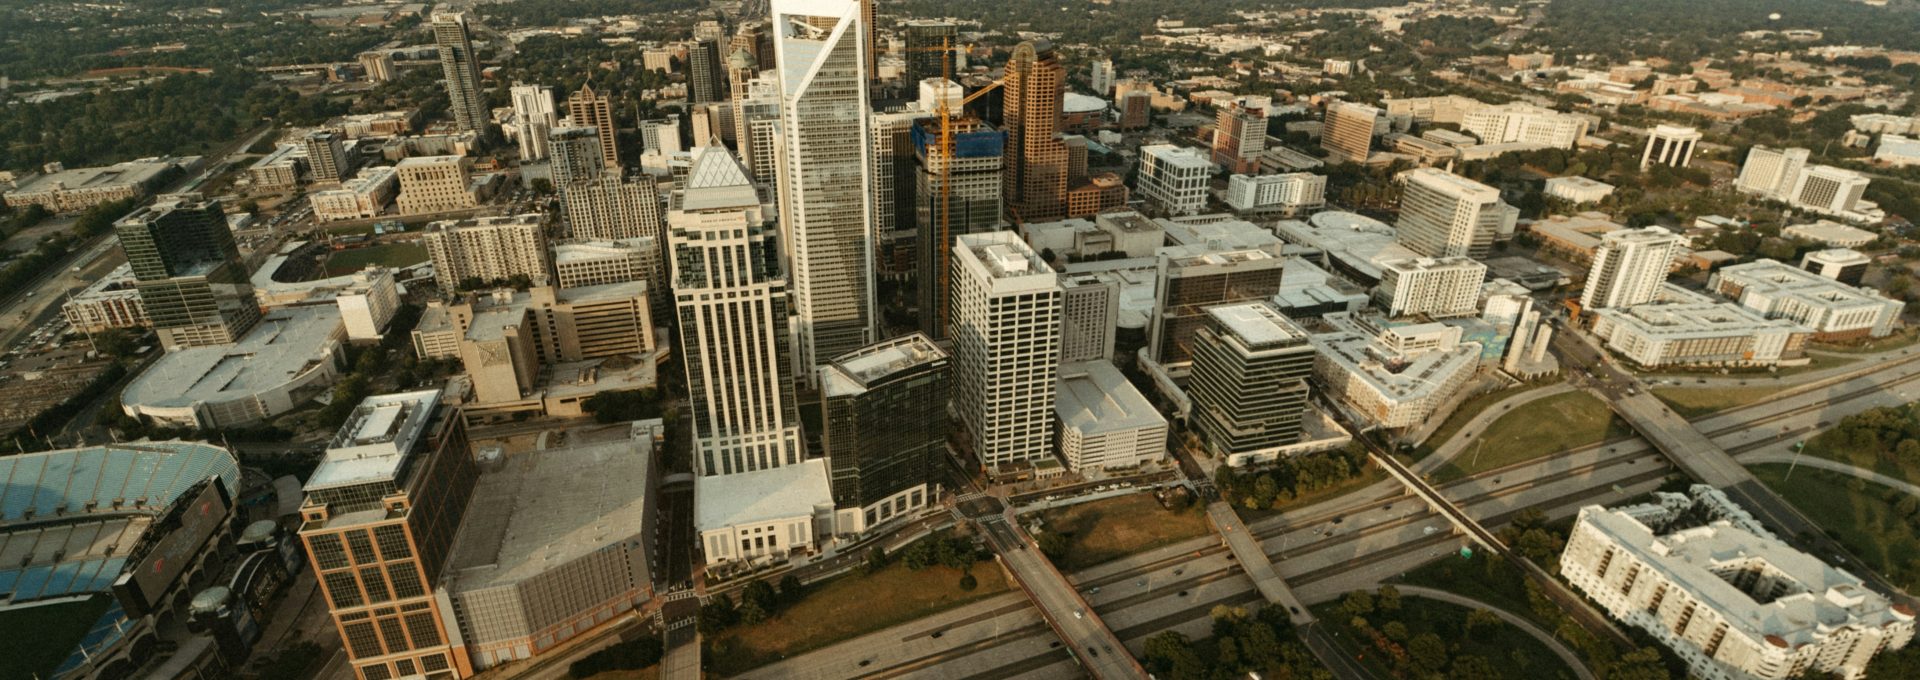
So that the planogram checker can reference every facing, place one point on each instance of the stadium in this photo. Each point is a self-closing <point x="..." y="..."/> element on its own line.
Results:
<point x="149" y="524"/>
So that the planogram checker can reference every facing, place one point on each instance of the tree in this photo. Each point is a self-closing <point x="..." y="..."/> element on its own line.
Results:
<point x="1480" y="621"/>
<point x="1389" y="601"/>
<point x="717" y="614"/>
<point x="1428" y="651"/>
<point x="758" y="602"/>
<point x="968" y="582"/>
<point x="1054" y="545"/>
<point x="791" y="589"/>
<point x="876" y="559"/>
<point x="1357" y="603"/>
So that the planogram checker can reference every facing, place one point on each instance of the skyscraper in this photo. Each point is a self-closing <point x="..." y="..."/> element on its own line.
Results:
<point x="612" y="208"/>
<point x="1240" y="134"/>
<point x="188" y="271"/>
<point x="1006" y="347"/>
<point x="951" y="199"/>
<point x="1629" y="267"/>
<point x="1445" y="215"/>
<point x="590" y="109"/>
<point x="576" y="155"/>
<point x="706" y="72"/>
<point x="886" y="414"/>
<point x="825" y="204"/>
<point x="1828" y="189"/>
<point x="757" y="126"/>
<point x="1347" y="132"/>
<point x="1036" y="173"/>
<point x="931" y="46"/>
<point x="732" y="304"/>
<point x="326" y="156"/>
<point x="487" y="250"/>
<point x="461" y="69"/>
<point x="1249" y="384"/>
<point x="535" y="115"/>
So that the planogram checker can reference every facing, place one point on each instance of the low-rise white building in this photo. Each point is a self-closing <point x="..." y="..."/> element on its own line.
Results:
<point x="364" y="196"/>
<point x="111" y="302"/>
<point x="1898" y="151"/>
<point x="1834" y="310"/>
<point x="1105" y="422"/>
<point x="1436" y="287"/>
<point x="1578" y="190"/>
<point x="1684" y="328"/>
<point x="1287" y="193"/>
<point x="764" y="514"/>
<point x="1831" y="234"/>
<point x="291" y="356"/>
<point x="1395" y="376"/>
<point x="1719" y="589"/>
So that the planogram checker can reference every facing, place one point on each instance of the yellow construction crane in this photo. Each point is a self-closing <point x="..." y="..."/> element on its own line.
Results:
<point x="943" y="262"/>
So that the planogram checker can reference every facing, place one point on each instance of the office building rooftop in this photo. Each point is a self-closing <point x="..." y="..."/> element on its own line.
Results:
<point x="375" y="441"/>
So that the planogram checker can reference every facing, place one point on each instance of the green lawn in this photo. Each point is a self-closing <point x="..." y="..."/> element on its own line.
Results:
<point x="1694" y="402"/>
<point x="1836" y="445"/>
<point x="848" y="607"/>
<point x="37" y="639"/>
<point x="1895" y="341"/>
<point x="1539" y="428"/>
<point x="1109" y="529"/>
<point x="1510" y="652"/>
<point x="394" y="255"/>
<point x="1858" y="514"/>
<point x="1819" y="362"/>
<point x="1461" y="416"/>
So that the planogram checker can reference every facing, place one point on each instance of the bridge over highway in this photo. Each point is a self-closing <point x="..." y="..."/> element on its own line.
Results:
<point x="1094" y="645"/>
<point x="1253" y="560"/>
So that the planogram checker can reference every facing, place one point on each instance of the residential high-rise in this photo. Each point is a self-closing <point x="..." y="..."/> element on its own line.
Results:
<point x="327" y="157"/>
<point x="885" y="409"/>
<point x="931" y="49"/>
<point x="1433" y="287"/>
<point x="1772" y="172"/>
<point x="661" y="135"/>
<point x="486" y="250"/>
<point x="1190" y="280"/>
<point x="825" y="206"/>
<point x="1629" y="267"/>
<point x="430" y="184"/>
<point x="610" y="208"/>
<point x="1347" y="132"/>
<point x="535" y="116"/>
<point x="587" y="108"/>
<point x="1240" y="133"/>
<point x="378" y="523"/>
<point x="1102" y="75"/>
<point x="732" y="303"/>
<point x="1445" y="215"/>
<point x="1249" y="386"/>
<point x="378" y="65"/>
<point x="575" y="153"/>
<point x="1174" y="178"/>
<point x="706" y="72"/>
<point x="1006" y="347"/>
<point x="956" y="197"/>
<point x="192" y="284"/>
<point x="756" y="119"/>
<point x="461" y="69"/>
<point x="1670" y="145"/>
<point x="1036" y="173"/>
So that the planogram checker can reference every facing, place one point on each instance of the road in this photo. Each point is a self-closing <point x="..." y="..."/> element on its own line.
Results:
<point x="1076" y="622"/>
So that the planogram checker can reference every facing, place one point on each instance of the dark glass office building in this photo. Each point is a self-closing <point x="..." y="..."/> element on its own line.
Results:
<point x="188" y="271"/>
<point x="886" y="426"/>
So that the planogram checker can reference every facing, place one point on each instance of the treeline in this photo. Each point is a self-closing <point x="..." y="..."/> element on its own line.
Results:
<point x="1242" y="644"/>
<point x="556" y="12"/>
<point x="80" y="41"/>
<point x="32" y="435"/>
<point x="180" y="114"/>
<point x="1888" y="433"/>
<point x="1290" y="477"/>
<point x="1636" y="29"/>
<point x="23" y="270"/>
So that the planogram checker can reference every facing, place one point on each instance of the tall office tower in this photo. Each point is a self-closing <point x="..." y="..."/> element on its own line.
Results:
<point x="1089" y="317"/>
<point x="886" y="429"/>
<point x="188" y="271"/>
<point x="1347" y="133"/>
<point x="481" y="251"/>
<point x="327" y="156"/>
<point x="956" y="197"/>
<point x="706" y="73"/>
<point x="1036" y="174"/>
<point x="612" y="208"/>
<point x="589" y="109"/>
<point x="661" y="135"/>
<point x="1102" y="76"/>
<point x="869" y="39"/>
<point x="1006" y="347"/>
<point x="1772" y="172"/>
<point x="1629" y="267"/>
<point x="1670" y="145"/>
<point x="825" y="207"/>
<point x="756" y="119"/>
<point x="1828" y="189"/>
<point x="1445" y="215"/>
<point x="893" y="181"/>
<point x="931" y="47"/>
<point x="378" y="65"/>
<point x="1136" y="110"/>
<point x="1249" y="384"/>
<point x="536" y="116"/>
<point x="1188" y="281"/>
<point x="742" y="68"/>
<point x="709" y="30"/>
<point x="1240" y="133"/>
<point x="732" y="304"/>
<point x="752" y="36"/>
<point x="461" y="68"/>
<point x="576" y="156"/>
<point x="378" y="521"/>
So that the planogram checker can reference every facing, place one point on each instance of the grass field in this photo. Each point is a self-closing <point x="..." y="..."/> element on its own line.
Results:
<point x="1556" y="423"/>
<point x="37" y="639"/>
<point x="1109" y="529"/>
<point x="1509" y="650"/>
<point x="390" y="255"/>
<point x="848" y="607"/>
<point x="1858" y="514"/>
<point x="1896" y="341"/>
<point x="1694" y="402"/>
<point x="1819" y="362"/>
<point x="1466" y="413"/>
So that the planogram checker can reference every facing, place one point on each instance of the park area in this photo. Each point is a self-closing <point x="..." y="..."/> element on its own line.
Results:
<point x="1109" y="529"/>
<point x="1539" y="428"/>
<point x="1408" y="636"/>
<point x="1697" y="402"/>
<point x="1879" y="525"/>
<point x="393" y="255"/>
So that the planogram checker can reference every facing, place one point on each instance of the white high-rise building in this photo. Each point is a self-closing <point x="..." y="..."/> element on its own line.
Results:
<point x="1828" y="189"/>
<point x="1629" y="267"/>
<point x="1670" y="145"/>
<point x="576" y="153"/>
<point x="732" y="306"/>
<point x="1174" y="178"/>
<point x="661" y="136"/>
<point x="756" y="120"/>
<point x="1102" y="76"/>
<point x="1446" y="215"/>
<point x="1347" y="131"/>
<point x="825" y="207"/>
<point x="1435" y="287"/>
<point x="534" y="115"/>
<point x="1006" y="339"/>
<point x="1772" y="172"/>
<point x="1525" y="123"/>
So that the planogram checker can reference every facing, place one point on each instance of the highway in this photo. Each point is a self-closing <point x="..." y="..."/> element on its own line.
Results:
<point x="1349" y="542"/>
<point x="1071" y="618"/>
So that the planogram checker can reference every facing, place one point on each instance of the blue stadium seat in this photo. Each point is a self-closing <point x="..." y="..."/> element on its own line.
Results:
<point x="86" y="479"/>
<point x="109" y="572"/>
<point x="31" y="583"/>
<point x="61" y="581"/>
<point x="7" y="579"/>
<point x="115" y="466"/>
<point x="25" y="485"/>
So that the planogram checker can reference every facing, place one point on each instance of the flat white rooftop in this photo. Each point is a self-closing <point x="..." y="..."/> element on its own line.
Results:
<point x="1094" y="397"/>
<point x="284" y="345"/>
<point x="784" y="492"/>
<point x="374" y="442"/>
